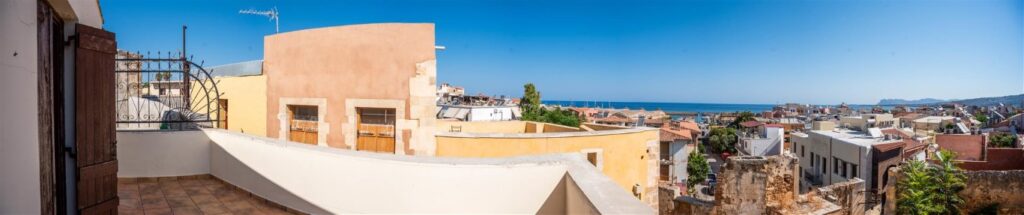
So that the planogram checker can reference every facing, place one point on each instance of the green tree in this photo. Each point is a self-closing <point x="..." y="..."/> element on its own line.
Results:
<point x="742" y="117"/>
<point x="949" y="181"/>
<point x="1001" y="140"/>
<point x="916" y="191"/>
<point x="981" y="118"/>
<point x="932" y="189"/>
<point x="530" y="103"/>
<point x="532" y="111"/>
<point x="723" y="139"/>
<point x="697" y="169"/>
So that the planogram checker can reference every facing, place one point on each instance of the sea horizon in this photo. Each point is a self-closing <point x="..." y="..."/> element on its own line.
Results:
<point x="687" y="106"/>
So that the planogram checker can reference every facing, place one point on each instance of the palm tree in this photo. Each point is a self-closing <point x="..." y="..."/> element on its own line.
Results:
<point x="949" y="182"/>
<point x="916" y="191"/>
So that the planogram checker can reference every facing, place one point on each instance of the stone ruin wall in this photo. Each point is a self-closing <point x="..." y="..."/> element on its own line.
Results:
<point x="1002" y="189"/>
<point x="768" y="185"/>
<point x="985" y="188"/>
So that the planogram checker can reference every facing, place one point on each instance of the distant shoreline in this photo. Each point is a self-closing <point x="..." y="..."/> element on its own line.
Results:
<point x="687" y="107"/>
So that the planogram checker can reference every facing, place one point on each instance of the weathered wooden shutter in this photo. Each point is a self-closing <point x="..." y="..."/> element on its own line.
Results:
<point x="95" y="139"/>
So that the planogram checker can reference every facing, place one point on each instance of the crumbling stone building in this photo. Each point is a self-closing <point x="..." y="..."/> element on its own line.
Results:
<point x="769" y="185"/>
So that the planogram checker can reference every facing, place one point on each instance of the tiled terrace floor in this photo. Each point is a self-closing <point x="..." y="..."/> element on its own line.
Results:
<point x="188" y="196"/>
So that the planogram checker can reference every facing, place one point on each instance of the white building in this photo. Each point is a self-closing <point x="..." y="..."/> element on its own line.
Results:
<point x="830" y="155"/>
<point x="767" y="142"/>
<point x="479" y="113"/>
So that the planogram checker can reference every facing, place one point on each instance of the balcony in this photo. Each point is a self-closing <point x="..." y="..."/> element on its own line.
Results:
<point x="224" y="171"/>
<point x="813" y="179"/>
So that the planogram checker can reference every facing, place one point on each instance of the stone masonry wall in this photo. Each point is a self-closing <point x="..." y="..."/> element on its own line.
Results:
<point x="1001" y="189"/>
<point x="985" y="188"/>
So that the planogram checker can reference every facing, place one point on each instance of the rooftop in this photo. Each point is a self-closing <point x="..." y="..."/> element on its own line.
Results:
<point x="853" y="137"/>
<point x="247" y="174"/>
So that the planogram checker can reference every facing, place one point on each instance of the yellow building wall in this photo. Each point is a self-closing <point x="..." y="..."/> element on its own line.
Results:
<point x="625" y="157"/>
<point x="247" y="103"/>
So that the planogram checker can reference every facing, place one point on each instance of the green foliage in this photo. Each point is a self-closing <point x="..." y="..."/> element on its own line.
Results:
<point x="530" y="106"/>
<point x="723" y="139"/>
<point x="697" y="169"/>
<point x="530" y="103"/>
<point x="916" y="196"/>
<point x="1001" y="140"/>
<point x="931" y="189"/>
<point x="981" y="118"/>
<point x="743" y="117"/>
<point x="949" y="181"/>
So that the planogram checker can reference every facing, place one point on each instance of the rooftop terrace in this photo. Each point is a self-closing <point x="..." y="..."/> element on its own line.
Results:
<point x="249" y="173"/>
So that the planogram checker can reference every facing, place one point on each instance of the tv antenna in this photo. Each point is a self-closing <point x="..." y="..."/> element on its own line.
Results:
<point x="272" y="14"/>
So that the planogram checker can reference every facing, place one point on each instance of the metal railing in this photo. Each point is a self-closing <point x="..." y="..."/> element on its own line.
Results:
<point x="165" y="92"/>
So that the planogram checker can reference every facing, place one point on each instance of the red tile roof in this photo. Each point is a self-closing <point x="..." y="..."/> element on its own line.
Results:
<point x="672" y="134"/>
<point x="692" y="126"/>
<point x="750" y="124"/>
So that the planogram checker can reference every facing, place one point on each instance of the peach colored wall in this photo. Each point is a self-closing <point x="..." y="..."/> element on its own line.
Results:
<point x="371" y="61"/>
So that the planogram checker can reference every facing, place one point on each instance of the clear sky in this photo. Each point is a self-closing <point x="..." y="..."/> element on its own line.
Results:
<point x="764" y="52"/>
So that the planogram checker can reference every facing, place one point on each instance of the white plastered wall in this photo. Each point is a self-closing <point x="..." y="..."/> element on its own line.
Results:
<point x="19" y="122"/>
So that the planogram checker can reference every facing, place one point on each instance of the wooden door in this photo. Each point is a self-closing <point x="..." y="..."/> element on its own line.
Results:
<point x="376" y="130"/>
<point x="222" y="113"/>
<point x="303" y="123"/>
<point x="95" y="140"/>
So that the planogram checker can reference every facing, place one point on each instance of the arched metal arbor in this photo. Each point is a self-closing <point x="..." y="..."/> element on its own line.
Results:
<point x="165" y="92"/>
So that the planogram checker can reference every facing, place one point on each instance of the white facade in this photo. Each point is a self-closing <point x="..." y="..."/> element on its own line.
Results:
<point x="768" y="143"/>
<point x="479" y="113"/>
<point x="833" y="156"/>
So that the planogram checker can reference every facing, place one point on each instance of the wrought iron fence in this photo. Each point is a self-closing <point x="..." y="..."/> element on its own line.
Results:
<point x="165" y="91"/>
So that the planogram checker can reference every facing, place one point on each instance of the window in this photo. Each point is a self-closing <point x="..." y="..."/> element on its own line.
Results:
<point x="814" y="158"/>
<point x="801" y="151"/>
<point x="824" y="163"/>
<point x="843" y="173"/>
<point x="835" y="165"/>
<point x="376" y="130"/>
<point x="303" y="123"/>
<point x="853" y="170"/>
<point x="592" y="157"/>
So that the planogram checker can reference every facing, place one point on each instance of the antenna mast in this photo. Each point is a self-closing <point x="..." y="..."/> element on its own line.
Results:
<point x="272" y="14"/>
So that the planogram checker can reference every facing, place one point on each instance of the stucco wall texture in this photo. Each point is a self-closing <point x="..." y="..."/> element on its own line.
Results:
<point x="370" y="62"/>
<point x="624" y="156"/>
<point x="247" y="103"/>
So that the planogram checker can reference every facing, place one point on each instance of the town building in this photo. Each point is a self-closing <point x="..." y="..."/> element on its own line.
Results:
<point x="627" y="155"/>
<point x="830" y="155"/>
<point x="864" y="121"/>
<point x="766" y="141"/>
<point x="372" y="91"/>
<point x="940" y="124"/>
<point x="675" y="147"/>
<point x="243" y="105"/>
<point x="479" y="113"/>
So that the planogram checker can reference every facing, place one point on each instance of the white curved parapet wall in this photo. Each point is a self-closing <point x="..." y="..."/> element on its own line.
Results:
<point x="322" y="180"/>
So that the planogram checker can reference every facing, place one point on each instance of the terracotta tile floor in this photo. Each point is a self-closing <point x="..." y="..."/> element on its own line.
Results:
<point x="187" y="196"/>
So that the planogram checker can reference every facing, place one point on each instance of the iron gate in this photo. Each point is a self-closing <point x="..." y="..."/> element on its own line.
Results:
<point x="165" y="92"/>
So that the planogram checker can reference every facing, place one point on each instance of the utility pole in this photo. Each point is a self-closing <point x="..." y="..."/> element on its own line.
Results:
<point x="272" y="14"/>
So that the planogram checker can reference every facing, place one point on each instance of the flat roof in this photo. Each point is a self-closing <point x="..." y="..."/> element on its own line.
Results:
<point x="853" y="137"/>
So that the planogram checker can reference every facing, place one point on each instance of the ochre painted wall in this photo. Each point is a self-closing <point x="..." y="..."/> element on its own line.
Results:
<point x="369" y="62"/>
<point x="247" y="103"/>
<point x="625" y="156"/>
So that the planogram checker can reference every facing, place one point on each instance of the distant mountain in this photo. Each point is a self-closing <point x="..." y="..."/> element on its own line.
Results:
<point x="1015" y="100"/>
<point x="910" y="102"/>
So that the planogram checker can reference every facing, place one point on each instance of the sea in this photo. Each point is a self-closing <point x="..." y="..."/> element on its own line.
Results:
<point x="683" y="107"/>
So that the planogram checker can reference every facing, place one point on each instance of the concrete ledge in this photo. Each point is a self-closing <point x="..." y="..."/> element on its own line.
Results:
<point x="543" y="135"/>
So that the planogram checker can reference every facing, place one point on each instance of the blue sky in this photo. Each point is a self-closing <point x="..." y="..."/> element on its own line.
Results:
<point x="765" y="52"/>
